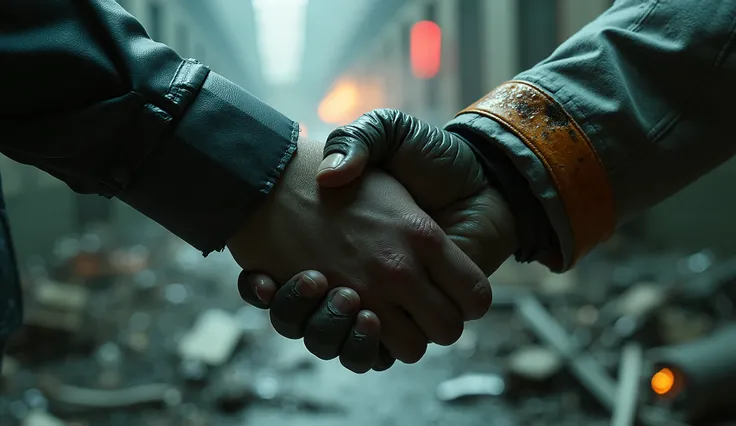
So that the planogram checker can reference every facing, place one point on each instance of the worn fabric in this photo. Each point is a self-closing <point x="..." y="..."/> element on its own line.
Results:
<point x="88" y="97"/>
<point x="651" y="83"/>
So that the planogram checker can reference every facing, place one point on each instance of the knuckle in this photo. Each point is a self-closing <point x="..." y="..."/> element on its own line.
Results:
<point x="482" y="294"/>
<point x="394" y="265"/>
<point x="423" y="230"/>
<point x="387" y="114"/>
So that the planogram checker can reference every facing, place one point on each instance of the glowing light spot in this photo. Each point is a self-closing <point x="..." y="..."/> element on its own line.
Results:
<point x="425" y="49"/>
<point x="663" y="381"/>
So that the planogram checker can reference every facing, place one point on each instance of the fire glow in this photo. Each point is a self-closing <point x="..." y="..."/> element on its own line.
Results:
<point x="663" y="381"/>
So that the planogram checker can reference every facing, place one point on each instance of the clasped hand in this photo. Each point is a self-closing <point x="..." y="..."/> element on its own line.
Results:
<point x="399" y="254"/>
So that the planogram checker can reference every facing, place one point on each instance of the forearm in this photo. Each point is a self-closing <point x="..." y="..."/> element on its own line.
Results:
<point x="643" y="94"/>
<point x="90" y="99"/>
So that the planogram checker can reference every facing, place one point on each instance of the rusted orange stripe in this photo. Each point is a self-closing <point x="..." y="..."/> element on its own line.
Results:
<point x="567" y="153"/>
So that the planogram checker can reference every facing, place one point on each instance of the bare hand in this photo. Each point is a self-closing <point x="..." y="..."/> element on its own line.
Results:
<point x="303" y="309"/>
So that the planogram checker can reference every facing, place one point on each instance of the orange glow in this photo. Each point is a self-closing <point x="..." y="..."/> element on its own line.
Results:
<point x="663" y="381"/>
<point x="348" y="99"/>
<point x="339" y="102"/>
<point x="425" y="49"/>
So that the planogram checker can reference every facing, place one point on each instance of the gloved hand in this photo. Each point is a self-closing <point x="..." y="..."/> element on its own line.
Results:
<point x="438" y="168"/>
<point x="304" y="308"/>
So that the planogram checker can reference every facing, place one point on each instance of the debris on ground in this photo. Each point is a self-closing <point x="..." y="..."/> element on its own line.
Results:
<point x="122" y="332"/>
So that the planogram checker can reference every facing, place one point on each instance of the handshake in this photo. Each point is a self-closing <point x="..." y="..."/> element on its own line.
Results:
<point x="384" y="238"/>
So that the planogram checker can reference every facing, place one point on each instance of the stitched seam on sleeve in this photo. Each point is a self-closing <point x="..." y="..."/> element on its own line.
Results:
<point x="185" y="84"/>
<point x="276" y="173"/>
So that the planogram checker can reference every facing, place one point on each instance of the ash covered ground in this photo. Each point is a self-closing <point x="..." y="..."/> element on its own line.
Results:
<point x="150" y="333"/>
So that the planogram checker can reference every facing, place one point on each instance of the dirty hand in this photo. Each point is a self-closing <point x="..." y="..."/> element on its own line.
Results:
<point x="438" y="168"/>
<point x="369" y="236"/>
<point x="304" y="308"/>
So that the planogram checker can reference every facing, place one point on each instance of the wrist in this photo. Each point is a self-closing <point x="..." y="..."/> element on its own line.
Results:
<point x="295" y="188"/>
<point x="533" y="234"/>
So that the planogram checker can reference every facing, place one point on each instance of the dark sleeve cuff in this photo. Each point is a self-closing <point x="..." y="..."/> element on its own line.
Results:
<point x="214" y="167"/>
<point x="537" y="239"/>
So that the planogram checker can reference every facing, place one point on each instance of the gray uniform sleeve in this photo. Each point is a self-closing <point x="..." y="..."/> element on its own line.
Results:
<point x="648" y="88"/>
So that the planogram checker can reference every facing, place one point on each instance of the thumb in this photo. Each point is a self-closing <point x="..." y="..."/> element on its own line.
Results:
<point x="349" y="149"/>
<point x="345" y="160"/>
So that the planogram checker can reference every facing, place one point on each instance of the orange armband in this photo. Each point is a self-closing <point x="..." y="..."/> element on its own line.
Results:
<point x="566" y="152"/>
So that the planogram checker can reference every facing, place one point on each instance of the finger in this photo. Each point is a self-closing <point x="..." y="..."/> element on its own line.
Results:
<point x="450" y="275"/>
<point x="458" y="277"/>
<point x="295" y="302"/>
<point x="401" y="335"/>
<point x="256" y="288"/>
<point x="385" y="360"/>
<point x="425" y="303"/>
<point x="437" y="315"/>
<point x="350" y="148"/>
<point x="360" y="350"/>
<point x="330" y="325"/>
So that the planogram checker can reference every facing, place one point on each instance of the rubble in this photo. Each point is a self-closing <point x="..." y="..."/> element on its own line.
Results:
<point x="629" y="376"/>
<point x="702" y="373"/>
<point x="677" y="325"/>
<point x="156" y="393"/>
<point x="61" y="296"/>
<point x="640" y="300"/>
<point x="9" y="367"/>
<point x="470" y="385"/>
<point x="534" y="363"/>
<point x="212" y="339"/>
<point x="194" y="371"/>
<point x="233" y="391"/>
<point x="153" y="334"/>
<point x="585" y="368"/>
<point x="41" y="418"/>
<point x="467" y="344"/>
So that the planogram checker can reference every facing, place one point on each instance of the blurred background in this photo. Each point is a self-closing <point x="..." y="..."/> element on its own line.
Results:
<point x="127" y="325"/>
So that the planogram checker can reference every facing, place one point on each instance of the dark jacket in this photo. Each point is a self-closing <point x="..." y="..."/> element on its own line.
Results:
<point x="88" y="97"/>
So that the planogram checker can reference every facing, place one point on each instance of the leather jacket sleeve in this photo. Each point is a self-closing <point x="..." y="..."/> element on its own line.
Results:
<point x="88" y="97"/>
<point x="629" y="110"/>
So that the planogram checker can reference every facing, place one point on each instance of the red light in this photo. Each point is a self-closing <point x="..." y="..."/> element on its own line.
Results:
<point x="425" y="49"/>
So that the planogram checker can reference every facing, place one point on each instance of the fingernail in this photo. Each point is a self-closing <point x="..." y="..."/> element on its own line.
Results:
<point x="342" y="302"/>
<point x="363" y="324"/>
<point x="307" y="287"/>
<point x="332" y="162"/>
<point x="259" y="294"/>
